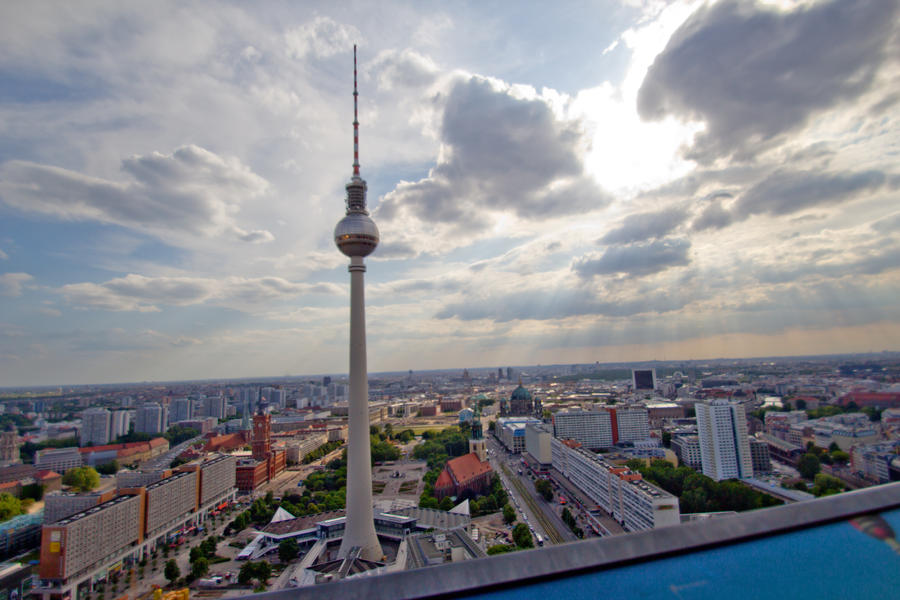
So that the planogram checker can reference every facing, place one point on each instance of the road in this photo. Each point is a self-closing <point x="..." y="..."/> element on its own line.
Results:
<point x="162" y="461"/>
<point x="536" y="512"/>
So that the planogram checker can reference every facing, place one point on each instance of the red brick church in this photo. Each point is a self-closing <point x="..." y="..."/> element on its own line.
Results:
<point x="464" y="473"/>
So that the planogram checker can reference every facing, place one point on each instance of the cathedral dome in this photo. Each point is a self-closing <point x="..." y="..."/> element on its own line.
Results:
<point x="520" y="393"/>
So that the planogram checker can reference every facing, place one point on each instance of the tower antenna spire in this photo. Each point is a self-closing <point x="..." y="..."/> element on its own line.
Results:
<point x="355" y="119"/>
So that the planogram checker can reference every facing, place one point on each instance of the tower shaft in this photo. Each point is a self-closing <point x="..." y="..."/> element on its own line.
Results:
<point x="360" y="525"/>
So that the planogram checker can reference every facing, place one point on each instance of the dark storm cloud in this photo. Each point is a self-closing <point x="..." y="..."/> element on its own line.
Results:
<point x="500" y="153"/>
<point x="753" y="73"/>
<point x="641" y="227"/>
<point x="636" y="259"/>
<point x="785" y="192"/>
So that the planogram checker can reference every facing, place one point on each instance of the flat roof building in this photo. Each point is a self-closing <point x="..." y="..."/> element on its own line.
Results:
<point x="636" y="504"/>
<point x="724" y="443"/>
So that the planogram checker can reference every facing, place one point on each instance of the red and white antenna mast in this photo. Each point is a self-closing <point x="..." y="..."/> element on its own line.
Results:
<point x="355" y="119"/>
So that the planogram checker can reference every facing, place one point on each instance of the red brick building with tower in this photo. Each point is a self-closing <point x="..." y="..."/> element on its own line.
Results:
<point x="265" y="462"/>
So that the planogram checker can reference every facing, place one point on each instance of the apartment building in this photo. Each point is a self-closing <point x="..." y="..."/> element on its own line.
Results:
<point x="170" y="499"/>
<point x="633" y="502"/>
<point x="72" y="546"/>
<point x="537" y="444"/>
<point x="511" y="432"/>
<point x="95" y="427"/>
<point x="57" y="459"/>
<point x="724" y="444"/>
<point x="151" y="418"/>
<point x="603" y="428"/>
<point x="79" y="549"/>
<point x="759" y="457"/>
<point x="687" y="449"/>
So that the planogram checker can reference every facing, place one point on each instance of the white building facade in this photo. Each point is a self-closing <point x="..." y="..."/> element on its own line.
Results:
<point x="724" y="444"/>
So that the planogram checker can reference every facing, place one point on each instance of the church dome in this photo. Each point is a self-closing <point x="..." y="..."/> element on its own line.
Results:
<point x="520" y="393"/>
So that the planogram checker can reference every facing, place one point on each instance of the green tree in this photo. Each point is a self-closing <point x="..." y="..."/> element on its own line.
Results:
<point x="382" y="450"/>
<point x="826" y="485"/>
<point x="10" y="507"/>
<point x="509" y="513"/>
<point x="288" y="550"/>
<point x="446" y="503"/>
<point x="500" y="549"/>
<point x="428" y="502"/>
<point x="544" y="488"/>
<point x="667" y="439"/>
<point x="808" y="465"/>
<point x="840" y="457"/>
<point x="171" y="571"/>
<point x="110" y="468"/>
<point x="873" y="413"/>
<point x="35" y="491"/>
<point x="801" y="404"/>
<point x="260" y="571"/>
<point x="199" y="567"/>
<point x="82" y="479"/>
<point x="635" y="464"/>
<point x="522" y="537"/>
<point x="177" y="434"/>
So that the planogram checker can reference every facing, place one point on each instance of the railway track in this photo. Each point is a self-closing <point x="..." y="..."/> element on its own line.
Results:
<point x="552" y="534"/>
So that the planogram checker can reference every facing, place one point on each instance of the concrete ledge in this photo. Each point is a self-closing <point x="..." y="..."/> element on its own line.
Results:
<point x="522" y="568"/>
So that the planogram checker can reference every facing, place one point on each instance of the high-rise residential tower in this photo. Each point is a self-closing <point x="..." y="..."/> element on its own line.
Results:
<point x="357" y="236"/>
<point x="724" y="445"/>
<point x="95" y="427"/>
<point x="151" y="418"/>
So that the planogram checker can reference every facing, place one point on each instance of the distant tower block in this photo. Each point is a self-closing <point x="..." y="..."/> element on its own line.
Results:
<point x="356" y="236"/>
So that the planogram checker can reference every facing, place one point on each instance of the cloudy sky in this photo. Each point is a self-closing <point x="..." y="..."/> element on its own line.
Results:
<point x="554" y="183"/>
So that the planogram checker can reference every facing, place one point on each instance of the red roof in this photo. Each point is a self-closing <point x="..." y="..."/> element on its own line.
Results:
<point x="156" y="442"/>
<point x="871" y="398"/>
<point x="467" y="467"/>
<point x="46" y="474"/>
<point x="443" y="481"/>
<point x="91" y="449"/>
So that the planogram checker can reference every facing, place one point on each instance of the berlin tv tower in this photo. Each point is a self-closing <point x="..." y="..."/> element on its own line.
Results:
<point x="357" y="236"/>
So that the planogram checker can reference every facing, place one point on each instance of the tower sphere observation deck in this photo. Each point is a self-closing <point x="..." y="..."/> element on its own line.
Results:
<point x="356" y="234"/>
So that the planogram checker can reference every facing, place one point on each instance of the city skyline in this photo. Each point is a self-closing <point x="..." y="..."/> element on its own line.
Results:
<point x="623" y="181"/>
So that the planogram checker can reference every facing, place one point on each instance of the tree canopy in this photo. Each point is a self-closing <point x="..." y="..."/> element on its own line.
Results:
<point x="509" y="513"/>
<point x="10" y="507"/>
<point x="808" y="465"/>
<point x="522" y="536"/>
<point x="260" y="571"/>
<point x="288" y="550"/>
<point x="699" y="493"/>
<point x="82" y="479"/>
<point x="826" y="485"/>
<point x="543" y="487"/>
<point x="171" y="570"/>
